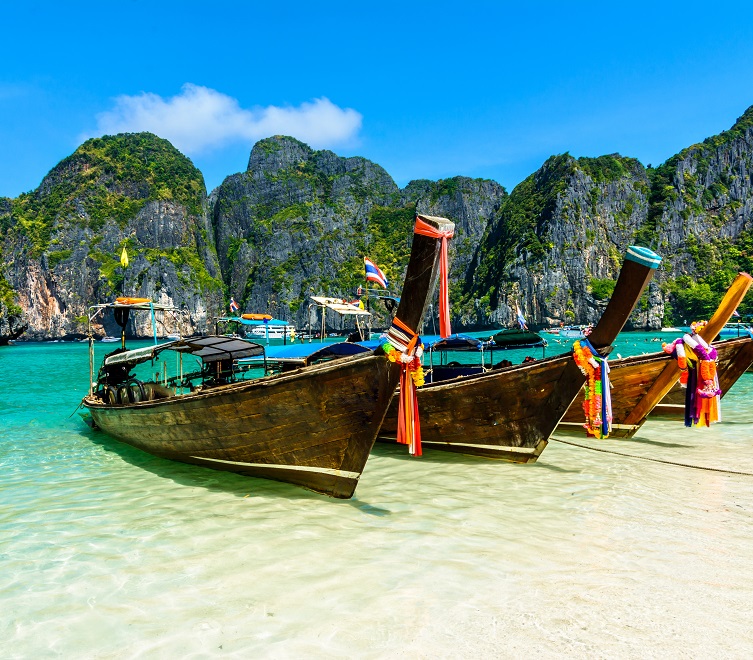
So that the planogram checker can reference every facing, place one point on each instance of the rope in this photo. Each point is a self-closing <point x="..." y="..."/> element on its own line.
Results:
<point x="653" y="460"/>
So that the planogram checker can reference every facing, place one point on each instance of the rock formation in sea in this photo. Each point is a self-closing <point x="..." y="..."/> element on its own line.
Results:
<point x="62" y="242"/>
<point x="298" y="222"/>
<point x="701" y="217"/>
<point x="556" y="245"/>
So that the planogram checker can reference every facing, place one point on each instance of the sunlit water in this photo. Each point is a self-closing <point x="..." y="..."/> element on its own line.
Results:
<point x="108" y="552"/>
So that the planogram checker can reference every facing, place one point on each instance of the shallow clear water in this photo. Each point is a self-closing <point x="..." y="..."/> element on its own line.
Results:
<point x="108" y="552"/>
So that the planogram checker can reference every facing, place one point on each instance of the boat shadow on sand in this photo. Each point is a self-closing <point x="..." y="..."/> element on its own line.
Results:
<point x="217" y="481"/>
<point x="400" y="452"/>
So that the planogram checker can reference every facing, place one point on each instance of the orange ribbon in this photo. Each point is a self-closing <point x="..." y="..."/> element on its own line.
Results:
<point x="426" y="229"/>
<point x="405" y="340"/>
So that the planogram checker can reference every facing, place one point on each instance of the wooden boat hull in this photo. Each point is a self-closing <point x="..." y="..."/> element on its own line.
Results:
<point x="649" y="379"/>
<point x="510" y="413"/>
<point x="317" y="435"/>
<point x="313" y="426"/>
<point x="633" y="377"/>
<point x="499" y="414"/>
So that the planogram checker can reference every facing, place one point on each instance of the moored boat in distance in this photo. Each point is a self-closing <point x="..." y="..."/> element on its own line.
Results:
<point x="735" y="330"/>
<point x="311" y="426"/>
<point x="510" y="413"/>
<point x="640" y="382"/>
<point x="574" y="331"/>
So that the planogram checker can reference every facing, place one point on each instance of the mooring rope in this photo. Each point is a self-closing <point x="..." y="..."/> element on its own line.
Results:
<point x="653" y="460"/>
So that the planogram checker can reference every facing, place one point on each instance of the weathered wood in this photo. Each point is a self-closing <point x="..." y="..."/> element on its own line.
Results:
<point x="510" y="413"/>
<point x="313" y="427"/>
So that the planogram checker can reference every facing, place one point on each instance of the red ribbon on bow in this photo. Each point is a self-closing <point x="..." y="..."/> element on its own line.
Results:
<point x="426" y="229"/>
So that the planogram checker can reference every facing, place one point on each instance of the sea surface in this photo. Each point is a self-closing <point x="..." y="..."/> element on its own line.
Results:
<point x="107" y="552"/>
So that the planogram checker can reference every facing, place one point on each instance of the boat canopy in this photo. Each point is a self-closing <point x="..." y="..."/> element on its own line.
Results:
<point x="210" y="349"/>
<point x="456" y="342"/>
<point x="136" y="303"/>
<point x="304" y="354"/>
<point x="342" y="307"/>
<point x="517" y="338"/>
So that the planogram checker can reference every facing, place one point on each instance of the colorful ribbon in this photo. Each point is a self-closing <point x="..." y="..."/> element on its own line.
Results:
<point x="426" y="229"/>
<point x="597" y="404"/>
<point x="404" y="346"/>
<point x="697" y="361"/>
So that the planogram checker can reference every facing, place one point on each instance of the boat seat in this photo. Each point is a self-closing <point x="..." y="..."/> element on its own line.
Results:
<point x="155" y="391"/>
<point x="450" y="371"/>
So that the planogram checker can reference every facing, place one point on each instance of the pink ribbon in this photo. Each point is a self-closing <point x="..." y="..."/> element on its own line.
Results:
<point x="426" y="229"/>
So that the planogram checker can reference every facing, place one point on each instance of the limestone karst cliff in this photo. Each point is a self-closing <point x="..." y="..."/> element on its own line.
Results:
<point x="298" y="222"/>
<point x="557" y="243"/>
<point x="62" y="242"/>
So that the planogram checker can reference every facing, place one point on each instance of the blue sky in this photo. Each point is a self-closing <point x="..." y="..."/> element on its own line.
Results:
<point x="425" y="89"/>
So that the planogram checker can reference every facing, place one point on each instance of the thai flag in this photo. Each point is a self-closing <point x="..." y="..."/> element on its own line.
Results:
<point x="374" y="274"/>
<point x="735" y="313"/>
<point x="233" y="305"/>
<point x="521" y="319"/>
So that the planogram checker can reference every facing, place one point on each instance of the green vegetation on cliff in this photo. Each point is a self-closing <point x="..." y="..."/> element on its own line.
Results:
<point x="108" y="177"/>
<point x="605" y="169"/>
<point x="520" y="227"/>
<point x="8" y="297"/>
<point x="718" y="262"/>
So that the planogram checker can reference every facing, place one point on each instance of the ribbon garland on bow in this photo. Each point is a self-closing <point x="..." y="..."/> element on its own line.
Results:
<point x="697" y="361"/>
<point x="426" y="229"/>
<point x="404" y="346"/>
<point x="597" y="403"/>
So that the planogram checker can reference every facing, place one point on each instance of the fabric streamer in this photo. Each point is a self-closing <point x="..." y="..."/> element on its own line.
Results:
<point x="404" y="346"/>
<point x="697" y="360"/>
<point x="597" y="403"/>
<point x="426" y="229"/>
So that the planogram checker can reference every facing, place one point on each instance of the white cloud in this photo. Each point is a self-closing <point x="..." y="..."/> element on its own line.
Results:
<point x="200" y="119"/>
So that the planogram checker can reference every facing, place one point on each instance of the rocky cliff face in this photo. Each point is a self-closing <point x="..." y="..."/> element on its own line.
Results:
<point x="62" y="242"/>
<point x="701" y="216"/>
<point x="12" y="325"/>
<point x="298" y="222"/>
<point x="556" y="245"/>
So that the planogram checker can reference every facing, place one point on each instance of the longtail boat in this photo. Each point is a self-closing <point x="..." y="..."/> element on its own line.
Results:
<point x="640" y="382"/>
<point x="313" y="426"/>
<point x="734" y="357"/>
<point x="510" y="413"/>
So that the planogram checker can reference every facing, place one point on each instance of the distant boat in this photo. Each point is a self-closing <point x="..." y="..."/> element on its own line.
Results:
<point x="255" y="325"/>
<point x="574" y="331"/>
<point x="670" y="329"/>
<point x="273" y="331"/>
<point x="731" y="330"/>
<point x="109" y="340"/>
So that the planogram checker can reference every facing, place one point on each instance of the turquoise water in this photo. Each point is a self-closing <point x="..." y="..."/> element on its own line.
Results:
<point x="108" y="552"/>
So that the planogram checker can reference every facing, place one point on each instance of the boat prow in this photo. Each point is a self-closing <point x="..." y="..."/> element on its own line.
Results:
<point x="510" y="413"/>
